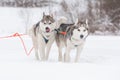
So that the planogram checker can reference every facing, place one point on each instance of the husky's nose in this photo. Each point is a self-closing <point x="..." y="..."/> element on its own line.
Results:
<point x="81" y="36"/>
<point x="47" y="28"/>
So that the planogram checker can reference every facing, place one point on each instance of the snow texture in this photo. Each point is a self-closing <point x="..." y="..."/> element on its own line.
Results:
<point x="100" y="58"/>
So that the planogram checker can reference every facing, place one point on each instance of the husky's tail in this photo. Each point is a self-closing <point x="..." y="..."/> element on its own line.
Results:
<point x="62" y="20"/>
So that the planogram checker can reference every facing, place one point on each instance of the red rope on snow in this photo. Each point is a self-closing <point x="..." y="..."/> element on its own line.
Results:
<point x="22" y="41"/>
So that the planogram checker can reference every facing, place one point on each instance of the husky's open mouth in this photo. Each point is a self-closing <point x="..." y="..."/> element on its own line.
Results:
<point x="47" y="29"/>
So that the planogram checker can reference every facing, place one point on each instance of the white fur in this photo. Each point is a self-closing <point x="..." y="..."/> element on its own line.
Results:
<point x="71" y="43"/>
<point x="70" y="47"/>
<point x="76" y="33"/>
<point x="76" y="40"/>
<point x="41" y="48"/>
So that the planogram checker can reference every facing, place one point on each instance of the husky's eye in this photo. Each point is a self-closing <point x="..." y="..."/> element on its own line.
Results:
<point x="78" y="29"/>
<point x="49" y="23"/>
<point x="44" y="22"/>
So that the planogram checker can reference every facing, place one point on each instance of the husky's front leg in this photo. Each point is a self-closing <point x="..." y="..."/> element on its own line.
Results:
<point x="60" y="53"/>
<point x="36" y="52"/>
<point x="35" y="44"/>
<point x="49" y="44"/>
<point x="42" y="52"/>
<point x="41" y="48"/>
<point x="79" y="50"/>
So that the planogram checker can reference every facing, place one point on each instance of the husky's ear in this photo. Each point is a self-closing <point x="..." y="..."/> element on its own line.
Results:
<point x="76" y="22"/>
<point x="43" y="14"/>
<point x="86" y="22"/>
<point x="51" y="14"/>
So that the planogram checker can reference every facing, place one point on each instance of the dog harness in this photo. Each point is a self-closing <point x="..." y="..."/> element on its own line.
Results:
<point x="61" y="32"/>
<point x="46" y="40"/>
<point x="57" y="30"/>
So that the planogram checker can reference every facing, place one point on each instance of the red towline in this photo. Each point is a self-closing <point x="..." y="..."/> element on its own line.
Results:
<point x="21" y="40"/>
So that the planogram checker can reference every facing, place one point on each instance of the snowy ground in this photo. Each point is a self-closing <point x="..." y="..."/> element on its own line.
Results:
<point x="100" y="60"/>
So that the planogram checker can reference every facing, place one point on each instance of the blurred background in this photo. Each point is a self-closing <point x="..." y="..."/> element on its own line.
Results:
<point x="20" y="15"/>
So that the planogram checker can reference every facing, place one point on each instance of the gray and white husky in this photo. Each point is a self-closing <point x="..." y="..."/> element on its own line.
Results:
<point x="43" y="36"/>
<point x="75" y="38"/>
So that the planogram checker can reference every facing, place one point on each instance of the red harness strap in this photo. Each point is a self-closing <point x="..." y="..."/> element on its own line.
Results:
<point x="23" y="44"/>
<point x="61" y="32"/>
<point x="64" y="33"/>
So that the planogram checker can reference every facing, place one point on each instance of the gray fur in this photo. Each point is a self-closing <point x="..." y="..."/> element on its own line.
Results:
<point x="36" y="26"/>
<point x="65" y="40"/>
<point x="64" y="28"/>
<point x="40" y="35"/>
<point x="48" y="19"/>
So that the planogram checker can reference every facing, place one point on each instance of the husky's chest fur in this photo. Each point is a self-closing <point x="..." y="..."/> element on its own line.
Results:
<point x="67" y="40"/>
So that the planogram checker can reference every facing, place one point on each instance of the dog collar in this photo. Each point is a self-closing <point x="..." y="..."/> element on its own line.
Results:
<point x="45" y="35"/>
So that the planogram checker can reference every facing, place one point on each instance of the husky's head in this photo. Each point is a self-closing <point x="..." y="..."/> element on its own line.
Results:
<point x="47" y="23"/>
<point x="79" y="30"/>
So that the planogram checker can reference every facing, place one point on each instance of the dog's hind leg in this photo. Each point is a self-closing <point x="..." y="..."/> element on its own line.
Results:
<point x="60" y="53"/>
<point x="36" y="52"/>
<point x="67" y="55"/>
<point x="59" y="50"/>
<point x="41" y="47"/>
<point x="35" y="48"/>
<point x="59" y="45"/>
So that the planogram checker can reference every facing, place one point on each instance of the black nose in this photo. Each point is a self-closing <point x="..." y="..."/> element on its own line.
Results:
<point x="81" y="36"/>
<point x="47" y="28"/>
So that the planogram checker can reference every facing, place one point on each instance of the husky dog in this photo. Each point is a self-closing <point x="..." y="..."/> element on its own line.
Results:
<point x="43" y="36"/>
<point x="75" y="37"/>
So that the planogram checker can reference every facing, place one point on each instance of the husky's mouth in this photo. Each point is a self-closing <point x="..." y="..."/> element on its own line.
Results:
<point x="47" y="29"/>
